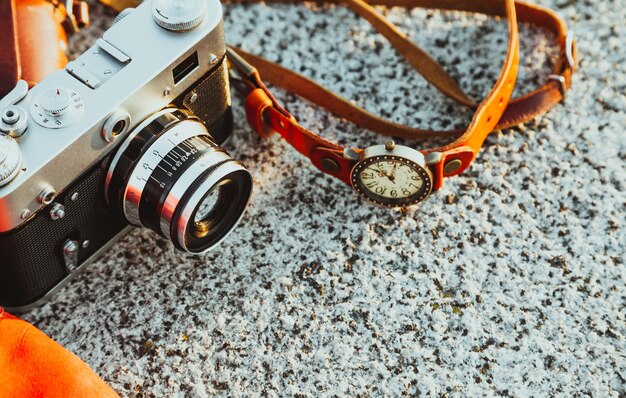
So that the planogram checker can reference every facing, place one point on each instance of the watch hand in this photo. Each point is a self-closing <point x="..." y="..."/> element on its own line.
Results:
<point x="381" y="172"/>
<point x="392" y="177"/>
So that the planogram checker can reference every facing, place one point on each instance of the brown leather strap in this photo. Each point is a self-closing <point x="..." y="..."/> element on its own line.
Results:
<point x="10" y="67"/>
<point x="494" y="112"/>
<point x="41" y="38"/>
<point x="75" y="14"/>
<point x="419" y="59"/>
<point x="33" y="38"/>
<point x="80" y="11"/>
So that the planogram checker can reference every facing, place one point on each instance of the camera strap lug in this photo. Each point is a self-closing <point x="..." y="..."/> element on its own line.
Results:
<point x="70" y="255"/>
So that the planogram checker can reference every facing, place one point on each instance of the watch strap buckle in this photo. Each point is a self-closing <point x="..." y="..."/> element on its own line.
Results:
<point x="570" y="64"/>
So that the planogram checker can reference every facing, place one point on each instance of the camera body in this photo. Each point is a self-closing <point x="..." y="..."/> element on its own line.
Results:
<point x="81" y="152"/>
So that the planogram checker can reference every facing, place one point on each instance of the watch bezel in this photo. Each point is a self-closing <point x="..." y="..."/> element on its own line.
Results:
<point x="398" y="153"/>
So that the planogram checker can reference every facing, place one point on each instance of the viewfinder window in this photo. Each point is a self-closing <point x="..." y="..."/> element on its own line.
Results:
<point x="186" y="67"/>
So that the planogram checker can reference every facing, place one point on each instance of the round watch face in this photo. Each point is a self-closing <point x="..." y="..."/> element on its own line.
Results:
<point x="391" y="181"/>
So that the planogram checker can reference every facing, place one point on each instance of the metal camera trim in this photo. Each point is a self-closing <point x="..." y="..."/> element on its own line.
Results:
<point x="180" y="187"/>
<point x="207" y="185"/>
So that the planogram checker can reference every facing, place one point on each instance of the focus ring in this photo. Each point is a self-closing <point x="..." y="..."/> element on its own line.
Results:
<point x="141" y="138"/>
<point x="170" y="171"/>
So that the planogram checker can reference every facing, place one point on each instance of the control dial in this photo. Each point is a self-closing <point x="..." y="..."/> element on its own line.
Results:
<point x="13" y="121"/>
<point x="10" y="159"/>
<point x="55" y="102"/>
<point x="57" y="108"/>
<point x="179" y="15"/>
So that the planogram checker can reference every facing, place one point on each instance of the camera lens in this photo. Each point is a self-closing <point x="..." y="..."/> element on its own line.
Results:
<point x="170" y="176"/>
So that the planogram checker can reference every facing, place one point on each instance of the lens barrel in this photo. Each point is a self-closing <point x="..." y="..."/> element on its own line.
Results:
<point x="170" y="176"/>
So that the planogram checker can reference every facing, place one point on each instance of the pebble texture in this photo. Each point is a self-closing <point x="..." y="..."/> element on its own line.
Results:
<point x="508" y="282"/>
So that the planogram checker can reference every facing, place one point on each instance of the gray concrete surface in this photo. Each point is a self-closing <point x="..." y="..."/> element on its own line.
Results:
<point x="508" y="282"/>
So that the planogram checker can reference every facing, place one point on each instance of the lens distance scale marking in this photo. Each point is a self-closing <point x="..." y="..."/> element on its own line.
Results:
<point x="161" y="154"/>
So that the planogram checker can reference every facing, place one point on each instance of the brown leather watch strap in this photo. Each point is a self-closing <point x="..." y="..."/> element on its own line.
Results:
<point x="495" y="112"/>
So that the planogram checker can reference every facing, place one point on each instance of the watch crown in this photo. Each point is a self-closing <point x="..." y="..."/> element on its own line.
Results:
<point x="390" y="145"/>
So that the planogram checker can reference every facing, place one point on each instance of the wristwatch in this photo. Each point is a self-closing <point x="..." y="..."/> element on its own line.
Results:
<point x="389" y="174"/>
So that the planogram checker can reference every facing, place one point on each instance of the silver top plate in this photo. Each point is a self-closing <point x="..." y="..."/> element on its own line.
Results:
<point x="141" y="86"/>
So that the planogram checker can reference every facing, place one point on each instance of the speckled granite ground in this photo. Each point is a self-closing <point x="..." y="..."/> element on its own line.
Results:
<point x="508" y="282"/>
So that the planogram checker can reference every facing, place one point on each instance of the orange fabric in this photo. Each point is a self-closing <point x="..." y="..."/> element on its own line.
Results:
<point x="33" y="365"/>
<point x="10" y="68"/>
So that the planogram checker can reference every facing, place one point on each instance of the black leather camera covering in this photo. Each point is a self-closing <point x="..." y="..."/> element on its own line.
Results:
<point x="31" y="256"/>
<point x="213" y="98"/>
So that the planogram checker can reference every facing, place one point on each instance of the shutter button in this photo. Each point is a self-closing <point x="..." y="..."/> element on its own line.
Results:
<point x="55" y="102"/>
<point x="13" y="121"/>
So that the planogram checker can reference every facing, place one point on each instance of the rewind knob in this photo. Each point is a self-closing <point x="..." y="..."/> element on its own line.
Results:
<point x="10" y="159"/>
<point x="122" y="14"/>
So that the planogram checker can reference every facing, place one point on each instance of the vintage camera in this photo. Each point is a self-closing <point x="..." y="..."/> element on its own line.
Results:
<point x="127" y="134"/>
